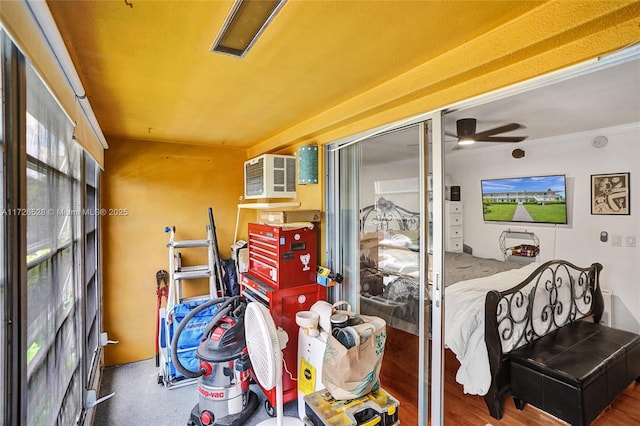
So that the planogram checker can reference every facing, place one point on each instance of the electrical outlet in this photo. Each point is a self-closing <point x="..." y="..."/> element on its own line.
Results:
<point x="630" y="241"/>
<point x="616" y="240"/>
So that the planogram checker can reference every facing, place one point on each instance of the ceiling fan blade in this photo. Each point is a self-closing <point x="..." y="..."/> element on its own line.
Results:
<point x="502" y="129"/>
<point x="502" y="139"/>
<point x="451" y="134"/>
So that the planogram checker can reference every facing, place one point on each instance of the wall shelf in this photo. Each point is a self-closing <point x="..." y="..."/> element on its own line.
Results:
<point x="269" y="205"/>
<point x="519" y="246"/>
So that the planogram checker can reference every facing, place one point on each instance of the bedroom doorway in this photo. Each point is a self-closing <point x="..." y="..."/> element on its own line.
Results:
<point x="380" y="205"/>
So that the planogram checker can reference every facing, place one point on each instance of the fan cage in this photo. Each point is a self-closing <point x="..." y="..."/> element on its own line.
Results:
<point x="263" y="345"/>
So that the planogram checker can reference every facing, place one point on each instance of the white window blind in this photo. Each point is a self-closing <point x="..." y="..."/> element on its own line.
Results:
<point x="33" y="29"/>
<point x="54" y="317"/>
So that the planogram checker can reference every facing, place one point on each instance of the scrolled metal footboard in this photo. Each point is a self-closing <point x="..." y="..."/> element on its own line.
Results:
<point x="554" y="295"/>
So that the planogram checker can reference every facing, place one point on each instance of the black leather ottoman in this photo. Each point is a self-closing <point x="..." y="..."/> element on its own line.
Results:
<point x="576" y="371"/>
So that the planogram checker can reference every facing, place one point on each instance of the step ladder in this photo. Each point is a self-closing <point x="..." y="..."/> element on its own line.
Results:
<point x="178" y="273"/>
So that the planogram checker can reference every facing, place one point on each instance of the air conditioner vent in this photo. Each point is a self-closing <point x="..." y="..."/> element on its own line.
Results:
<point x="290" y="180"/>
<point x="270" y="176"/>
<point x="254" y="178"/>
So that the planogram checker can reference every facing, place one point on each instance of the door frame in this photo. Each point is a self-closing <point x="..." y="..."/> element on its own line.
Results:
<point x="433" y="122"/>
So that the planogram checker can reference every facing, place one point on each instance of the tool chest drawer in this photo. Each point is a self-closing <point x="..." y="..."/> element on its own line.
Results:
<point x="282" y="256"/>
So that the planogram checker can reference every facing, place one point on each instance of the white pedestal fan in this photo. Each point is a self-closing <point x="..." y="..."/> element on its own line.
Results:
<point x="265" y="352"/>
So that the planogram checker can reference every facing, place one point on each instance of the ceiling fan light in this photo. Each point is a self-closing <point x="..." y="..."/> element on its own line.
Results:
<point x="243" y="26"/>
<point x="466" y="128"/>
<point x="466" y="141"/>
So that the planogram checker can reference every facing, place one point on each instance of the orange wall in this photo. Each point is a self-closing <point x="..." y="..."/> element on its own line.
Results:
<point x="165" y="184"/>
<point x="160" y="184"/>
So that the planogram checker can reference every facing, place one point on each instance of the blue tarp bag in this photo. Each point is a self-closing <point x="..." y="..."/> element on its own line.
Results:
<point x="191" y="334"/>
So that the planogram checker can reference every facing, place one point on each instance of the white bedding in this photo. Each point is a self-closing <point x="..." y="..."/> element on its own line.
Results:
<point x="464" y="325"/>
<point x="398" y="260"/>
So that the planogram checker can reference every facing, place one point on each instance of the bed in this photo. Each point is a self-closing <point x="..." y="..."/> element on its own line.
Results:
<point x="464" y="324"/>
<point x="389" y="265"/>
<point x="389" y="286"/>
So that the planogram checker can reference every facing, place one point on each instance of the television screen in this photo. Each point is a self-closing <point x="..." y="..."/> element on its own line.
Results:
<point x="533" y="199"/>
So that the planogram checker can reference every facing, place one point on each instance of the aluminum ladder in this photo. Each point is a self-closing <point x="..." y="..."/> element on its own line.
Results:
<point x="177" y="274"/>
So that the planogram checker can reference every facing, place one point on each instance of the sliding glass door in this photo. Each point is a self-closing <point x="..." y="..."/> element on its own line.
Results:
<point x="49" y="254"/>
<point x="380" y="236"/>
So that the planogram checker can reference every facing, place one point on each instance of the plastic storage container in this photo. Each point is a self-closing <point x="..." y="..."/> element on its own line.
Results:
<point x="376" y="408"/>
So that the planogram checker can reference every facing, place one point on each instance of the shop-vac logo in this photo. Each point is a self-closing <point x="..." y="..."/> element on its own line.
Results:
<point x="211" y="394"/>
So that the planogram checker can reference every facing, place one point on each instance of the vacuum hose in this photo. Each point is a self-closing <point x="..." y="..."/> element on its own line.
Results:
<point x="222" y="311"/>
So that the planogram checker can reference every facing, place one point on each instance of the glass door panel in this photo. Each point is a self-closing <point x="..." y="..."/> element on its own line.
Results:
<point x="380" y="221"/>
<point x="389" y="235"/>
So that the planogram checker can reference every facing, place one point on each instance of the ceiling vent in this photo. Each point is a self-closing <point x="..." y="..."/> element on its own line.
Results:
<point x="245" y="23"/>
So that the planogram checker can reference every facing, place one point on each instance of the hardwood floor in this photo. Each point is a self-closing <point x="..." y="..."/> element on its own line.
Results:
<point x="399" y="377"/>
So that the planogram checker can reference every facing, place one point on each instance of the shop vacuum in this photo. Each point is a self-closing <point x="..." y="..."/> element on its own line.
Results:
<point x="224" y="397"/>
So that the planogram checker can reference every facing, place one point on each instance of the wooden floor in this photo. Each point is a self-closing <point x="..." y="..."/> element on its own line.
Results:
<point x="399" y="377"/>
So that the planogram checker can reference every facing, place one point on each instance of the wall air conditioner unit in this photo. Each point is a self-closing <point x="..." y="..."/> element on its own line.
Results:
<point x="270" y="176"/>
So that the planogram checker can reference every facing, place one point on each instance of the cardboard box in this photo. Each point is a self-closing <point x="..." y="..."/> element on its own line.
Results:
<point x="240" y="255"/>
<point x="243" y="260"/>
<point x="289" y="216"/>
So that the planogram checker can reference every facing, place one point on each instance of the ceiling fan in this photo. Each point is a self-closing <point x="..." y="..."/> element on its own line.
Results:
<point x="466" y="133"/>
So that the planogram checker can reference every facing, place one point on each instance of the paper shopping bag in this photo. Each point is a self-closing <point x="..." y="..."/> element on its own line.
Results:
<point x="349" y="373"/>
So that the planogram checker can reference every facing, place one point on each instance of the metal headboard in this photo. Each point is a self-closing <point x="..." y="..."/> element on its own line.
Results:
<point x="385" y="215"/>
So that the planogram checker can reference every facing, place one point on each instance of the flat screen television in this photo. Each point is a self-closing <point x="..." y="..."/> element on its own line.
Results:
<point x="532" y="199"/>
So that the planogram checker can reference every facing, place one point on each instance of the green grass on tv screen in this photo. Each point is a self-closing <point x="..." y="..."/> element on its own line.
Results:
<point x="541" y="213"/>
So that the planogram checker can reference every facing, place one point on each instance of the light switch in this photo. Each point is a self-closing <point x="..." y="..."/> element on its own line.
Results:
<point x="630" y="241"/>
<point x="616" y="240"/>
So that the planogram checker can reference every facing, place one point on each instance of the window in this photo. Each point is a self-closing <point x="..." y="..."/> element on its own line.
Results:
<point x="91" y="276"/>
<point x="54" y="247"/>
<point x="3" y="280"/>
<point x="49" y="254"/>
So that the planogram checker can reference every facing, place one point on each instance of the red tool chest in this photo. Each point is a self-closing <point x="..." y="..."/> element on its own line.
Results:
<point x="283" y="305"/>
<point x="282" y="256"/>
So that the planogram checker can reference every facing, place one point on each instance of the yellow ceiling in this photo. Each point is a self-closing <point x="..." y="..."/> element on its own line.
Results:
<point x="149" y="74"/>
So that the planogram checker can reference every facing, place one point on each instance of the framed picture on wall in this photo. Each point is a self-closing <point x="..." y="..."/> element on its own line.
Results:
<point x="610" y="194"/>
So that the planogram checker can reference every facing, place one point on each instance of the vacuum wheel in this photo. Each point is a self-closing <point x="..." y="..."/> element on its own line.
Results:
<point x="269" y="408"/>
<point x="160" y="379"/>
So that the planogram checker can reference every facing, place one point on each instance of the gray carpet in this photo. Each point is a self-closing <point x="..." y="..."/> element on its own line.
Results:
<point x="140" y="400"/>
